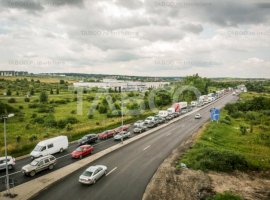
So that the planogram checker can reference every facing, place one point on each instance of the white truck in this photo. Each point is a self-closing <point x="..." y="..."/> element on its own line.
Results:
<point x="50" y="146"/>
<point x="193" y="103"/>
<point x="171" y="110"/>
<point x="183" y="104"/>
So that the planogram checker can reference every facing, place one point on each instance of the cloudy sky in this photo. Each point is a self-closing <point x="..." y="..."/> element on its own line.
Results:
<point x="229" y="38"/>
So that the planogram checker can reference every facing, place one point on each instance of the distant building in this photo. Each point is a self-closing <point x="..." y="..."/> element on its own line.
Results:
<point x="13" y="73"/>
<point x="124" y="85"/>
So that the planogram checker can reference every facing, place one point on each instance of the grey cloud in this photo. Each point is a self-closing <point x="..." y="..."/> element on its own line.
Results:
<point x="131" y="4"/>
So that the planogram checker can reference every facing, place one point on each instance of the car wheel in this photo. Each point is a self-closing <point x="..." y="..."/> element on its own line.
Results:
<point x="32" y="173"/>
<point x="10" y="167"/>
<point x="51" y="167"/>
<point x="80" y="156"/>
<point x="61" y="150"/>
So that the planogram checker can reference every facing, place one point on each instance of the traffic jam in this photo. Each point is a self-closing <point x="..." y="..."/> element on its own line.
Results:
<point x="42" y="156"/>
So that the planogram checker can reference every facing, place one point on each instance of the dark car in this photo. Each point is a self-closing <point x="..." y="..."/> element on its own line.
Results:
<point x="87" y="139"/>
<point x="139" y="129"/>
<point x="106" y="134"/>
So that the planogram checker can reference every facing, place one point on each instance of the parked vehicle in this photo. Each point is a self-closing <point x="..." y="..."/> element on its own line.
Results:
<point x="106" y="134"/>
<point x="183" y="104"/>
<point x="50" y="146"/>
<point x="151" y="125"/>
<point x="82" y="151"/>
<point x="120" y="129"/>
<point x="123" y="134"/>
<point x="149" y="119"/>
<point x="138" y="123"/>
<point x="87" y="139"/>
<point x="183" y="111"/>
<point x="198" y="116"/>
<point x="38" y="165"/>
<point x="163" y="113"/>
<point x="193" y="103"/>
<point x="10" y="162"/>
<point x="170" y="110"/>
<point x="169" y="117"/>
<point x="139" y="129"/>
<point x="92" y="174"/>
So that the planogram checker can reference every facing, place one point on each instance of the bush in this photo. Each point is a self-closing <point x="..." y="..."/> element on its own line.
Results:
<point x="32" y="138"/>
<point x="102" y="109"/>
<point x="33" y="105"/>
<point x="18" y="139"/>
<point x="34" y="115"/>
<point x="8" y="92"/>
<point x="224" y="121"/>
<point x="73" y="112"/>
<point x="27" y="126"/>
<point x="26" y="99"/>
<point x="114" y="113"/>
<point x="50" y="122"/>
<point x="61" y="123"/>
<point x="224" y="161"/>
<point x="225" y="196"/>
<point x="45" y="109"/>
<point x="12" y="100"/>
<point x="38" y="120"/>
<point x="71" y="120"/>
<point x="43" y="97"/>
<point x="243" y="129"/>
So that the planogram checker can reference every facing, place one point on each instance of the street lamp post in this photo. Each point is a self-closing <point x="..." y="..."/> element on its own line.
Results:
<point x="5" y="117"/>
<point x="122" y="139"/>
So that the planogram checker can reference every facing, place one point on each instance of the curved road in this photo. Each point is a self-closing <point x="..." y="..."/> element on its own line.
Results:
<point x="131" y="167"/>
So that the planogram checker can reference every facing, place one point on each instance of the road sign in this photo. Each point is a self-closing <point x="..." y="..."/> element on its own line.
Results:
<point x="215" y="114"/>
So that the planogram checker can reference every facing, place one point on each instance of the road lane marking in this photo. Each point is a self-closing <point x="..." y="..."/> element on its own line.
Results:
<point x="111" y="171"/>
<point x="146" y="147"/>
<point x="11" y="174"/>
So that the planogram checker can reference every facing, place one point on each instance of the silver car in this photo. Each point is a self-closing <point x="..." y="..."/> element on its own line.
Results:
<point x="39" y="164"/>
<point x="92" y="174"/>
<point x="123" y="134"/>
<point x="10" y="162"/>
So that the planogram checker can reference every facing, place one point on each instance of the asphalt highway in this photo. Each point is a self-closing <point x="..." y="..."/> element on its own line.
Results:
<point x="131" y="167"/>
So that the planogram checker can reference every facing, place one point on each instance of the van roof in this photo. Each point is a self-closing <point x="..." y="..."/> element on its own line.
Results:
<point x="51" y="140"/>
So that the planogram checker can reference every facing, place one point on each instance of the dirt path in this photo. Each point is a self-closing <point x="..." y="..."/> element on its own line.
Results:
<point x="168" y="183"/>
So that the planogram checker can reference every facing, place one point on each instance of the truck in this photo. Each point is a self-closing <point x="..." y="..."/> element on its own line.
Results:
<point x="183" y="104"/>
<point x="193" y="103"/>
<point x="50" y="146"/>
<point x="175" y="108"/>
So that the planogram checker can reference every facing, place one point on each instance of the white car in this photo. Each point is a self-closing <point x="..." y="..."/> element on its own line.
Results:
<point x="10" y="162"/>
<point x="139" y="123"/>
<point x="123" y="134"/>
<point x="150" y="119"/>
<point x="198" y="116"/>
<point x="92" y="174"/>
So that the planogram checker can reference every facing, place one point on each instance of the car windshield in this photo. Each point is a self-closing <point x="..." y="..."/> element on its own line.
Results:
<point x="38" y="148"/>
<point x="34" y="163"/>
<point x="79" y="149"/>
<point x="87" y="173"/>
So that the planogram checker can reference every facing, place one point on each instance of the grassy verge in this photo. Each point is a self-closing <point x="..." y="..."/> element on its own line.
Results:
<point x="225" y="147"/>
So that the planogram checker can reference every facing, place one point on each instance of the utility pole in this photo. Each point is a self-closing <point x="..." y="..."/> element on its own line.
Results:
<point x="122" y="139"/>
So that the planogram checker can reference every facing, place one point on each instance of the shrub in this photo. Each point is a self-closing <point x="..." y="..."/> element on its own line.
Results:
<point x="26" y="99"/>
<point x="50" y="122"/>
<point x="225" y="196"/>
<point x="243" y="129"/>
<point x="212" y="159"/>
<point x="33" y="105"/>
<point x="102" y="109"/>
<point x="61" y="123"/>
<point x="43" y="97"/>
<point x="8" y="92"/>
<point x="71" y="120"/>
<point x="32" y="138"/>
<point x="18" y="139"/>
<point x="90" y="116"/>
<point x="45" y="109"/>
<point x="27" y="126"/>
<point x="21" y="107"/>
<point x="73" y="112"/>
<point x="34" y="115"/>
<point x="38" y="120"/>
<point x="224" y="121"/>
<point x="68" y="127"/>
<point x="12" y="100"/>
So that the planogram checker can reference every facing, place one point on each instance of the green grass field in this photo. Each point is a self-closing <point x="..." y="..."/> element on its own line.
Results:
<point x="223" y="147"/>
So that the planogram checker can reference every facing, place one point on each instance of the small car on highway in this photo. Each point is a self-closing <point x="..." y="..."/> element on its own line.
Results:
<point x="92" y="174"/>
<point x="82" y="151"/>
<point x="151" y="125"/>
<point x="39" y="164"/>
<point x="139" y="129"/>
<point x="87" y="139"/>
<point x="106" y="134"/>
<point x="198" y="116"/>
<point x="10" y="162"/>
<point x="120" y="129"/>
<point x="138" y="123"/>
<point x="123" y="134"/>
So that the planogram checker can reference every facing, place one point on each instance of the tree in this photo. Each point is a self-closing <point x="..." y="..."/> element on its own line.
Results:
<point x="32" y="92"/>
<point x="57" y="90"/>
<point x="8" y="92"/>
<point x="62" y="82"/>
<point x="43" y="97"/>
<point x="51" y="91"/>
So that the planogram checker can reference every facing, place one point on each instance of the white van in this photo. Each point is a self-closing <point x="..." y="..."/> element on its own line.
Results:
<point x="163" y="113"/>
<point x="50" y="146"/>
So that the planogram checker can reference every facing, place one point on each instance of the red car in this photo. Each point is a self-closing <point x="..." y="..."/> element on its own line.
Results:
<point x="122" y="128"/>
<point x="82" y="151"/>
<point x="106" y="134"/>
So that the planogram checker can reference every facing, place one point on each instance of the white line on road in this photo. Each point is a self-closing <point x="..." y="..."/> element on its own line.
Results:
<point x="111" y="171"/>
<point x="146" y="147"/>
<point x="10" y="174"/>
